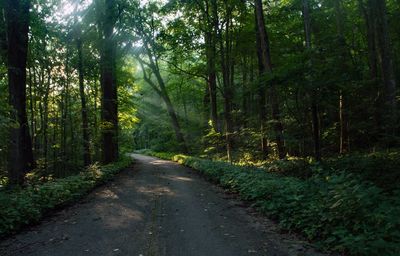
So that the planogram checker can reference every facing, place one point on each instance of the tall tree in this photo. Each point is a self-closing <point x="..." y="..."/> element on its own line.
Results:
<point x="344" y="70"/>
<point x="386" y="63"/>
<point x="227" y="65"/>
<point x="314" y="106"/>
<point x="109" y="100"/>
<point x="211" y="30"/>
<point x="161" y="90"/>
<point x="265" y="67"/>
<point x="85" y="123"/>
<point x="146" y="27"/>
<point x="20" y="150"/>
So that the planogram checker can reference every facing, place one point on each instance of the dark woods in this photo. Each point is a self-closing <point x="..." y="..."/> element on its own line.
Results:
<point x="237" y="80"/>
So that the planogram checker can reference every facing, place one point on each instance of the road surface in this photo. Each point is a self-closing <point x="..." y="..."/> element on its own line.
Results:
<point x="154" y="208"/>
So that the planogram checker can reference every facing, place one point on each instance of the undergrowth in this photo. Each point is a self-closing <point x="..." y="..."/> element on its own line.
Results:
<point x="340" y="211"/>
<point x="27" y="205"/>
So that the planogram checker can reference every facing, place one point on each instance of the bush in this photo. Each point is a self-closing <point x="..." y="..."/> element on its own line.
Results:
<point x="381" y="168"/>
<point x="27" y="205"/>
<point x="340" y="212"/>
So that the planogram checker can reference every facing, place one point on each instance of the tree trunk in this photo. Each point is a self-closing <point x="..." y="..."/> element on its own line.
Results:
<point x="95" y="119"/>
<point x="170" y="108"/>
<point x="3" y="34"/>
<point x="45" y="118"/>
<point x="31" y="109"/>
<point x="85" y="126"/>
<point x="343" y="52"/>
<point x="265" y="67"/>
<point x="314" y="105"/>
<point x="245" y="93"/>
<point x="368" y="13"/>
<point x="109" y="100"/>
<point x="262" y="70"/>
<point x="20" y="150"/>
<point x="344" y="129"/>
<point x="386" y="65"/>
<point x="226" y="68"/>
<point x="211" y="76"/>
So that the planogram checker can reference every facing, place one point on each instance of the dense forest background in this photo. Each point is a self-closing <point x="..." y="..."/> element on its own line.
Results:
<point x="244" y="81"/>
<point x="290" y="104"/>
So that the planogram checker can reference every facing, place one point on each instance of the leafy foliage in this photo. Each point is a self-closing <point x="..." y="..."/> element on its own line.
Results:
<point x="27" y="205"/>
<point x="341" y="212"/>
<point x="380" y="168"/>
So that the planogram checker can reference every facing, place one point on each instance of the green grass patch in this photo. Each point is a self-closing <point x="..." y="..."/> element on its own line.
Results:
<point x="27" y="205"/>
<point x="340" y="212"/>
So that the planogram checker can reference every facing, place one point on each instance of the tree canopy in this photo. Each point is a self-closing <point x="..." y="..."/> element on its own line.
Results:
<point x="227" y="79"/>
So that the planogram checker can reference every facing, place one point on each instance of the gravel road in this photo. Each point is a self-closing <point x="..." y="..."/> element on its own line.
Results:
<point x="154" y="208"/>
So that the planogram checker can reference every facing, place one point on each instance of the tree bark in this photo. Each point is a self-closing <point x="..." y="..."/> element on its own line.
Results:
<point x="85" y="125"/>
<point x="343" y="54"/>
<point x="161" y="90"/>
<point x="211" y="70"/>
<point x="262" y="70"/>
<point x="109" y="100"/>
<point x="314" y="106"/>
<point x="20" y="149"/>
<point x="265" y="67"/>
<point x="369" y="17"/>
<point x="386" y="65"/>
<point x="226" y="68"/>
<point x="3" y="34"/>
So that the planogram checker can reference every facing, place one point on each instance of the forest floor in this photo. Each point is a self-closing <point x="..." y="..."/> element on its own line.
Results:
<point x="157" y="207"/>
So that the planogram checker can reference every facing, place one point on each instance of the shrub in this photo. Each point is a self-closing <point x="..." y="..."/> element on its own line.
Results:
<point x="27" y="205"/>
<point x="340" y="212"/>
<point x="381" y="168"/>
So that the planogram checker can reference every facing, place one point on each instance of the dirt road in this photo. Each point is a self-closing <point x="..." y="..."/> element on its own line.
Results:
<point x="156" y="208"/>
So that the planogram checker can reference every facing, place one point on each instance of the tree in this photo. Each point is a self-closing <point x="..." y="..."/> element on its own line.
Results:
<point x="211" y="30"/>
<point x="109" y="99"/>
<point x="85" y="123"/>
<point x="314" y="106"/>
<point x="386" y="63"/>
<point x="344" y="67"/>
<point x="265" y="67"/>
<point x="149" y="58"/>
<point x="20" y="149"/>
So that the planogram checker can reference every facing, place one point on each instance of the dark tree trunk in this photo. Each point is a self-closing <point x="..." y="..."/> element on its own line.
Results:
<point x="20" y="150"/>
<point x="85" y="125"/>
<point x="211" y="76"/>
<point x="212" y="73"/>
<point x="109" y="100"/>
<point x="45" y="119"/>
<point x="344" y="125"/>
<point x="265" y="67"/>
<point x="31" y="108"/>
<point x="3" y="34"/>
<point x="344" y="67"/>
<point x="226" y="68"/>
<point x="95" y="120"/>
<point x="369" y="17"/>
<point x="386" y="65"/>
<point x="314" y="106"/>
<point x="245" y="92"/>
<point x="262" y="70"/>
<point x="316" y="129"/>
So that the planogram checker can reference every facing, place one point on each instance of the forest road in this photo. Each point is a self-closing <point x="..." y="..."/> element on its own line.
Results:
<point x="156" y="207"/>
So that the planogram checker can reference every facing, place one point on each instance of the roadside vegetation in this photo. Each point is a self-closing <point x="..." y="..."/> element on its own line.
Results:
<point x="26" y="205"/>
<point x="335" y="206"/>
<point x="296" y="101"/>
